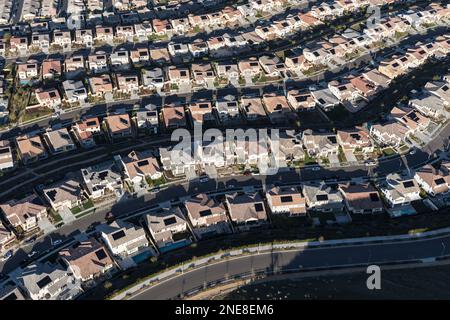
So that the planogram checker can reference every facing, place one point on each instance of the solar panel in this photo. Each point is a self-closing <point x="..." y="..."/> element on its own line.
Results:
<point x="205" y="213"/>
<point x="322" y="197"/>
<point x="286" y="199"/>
<point x="118" y="235"/>
<point x="43" y="282"/>
<point x="170" y="221"/>
<point x="101" y="254"/>
<point x="439" y="181"/>
<point x="259" y="207"/>
<point x="142" y="163"/>
<point x="408" y="184"/>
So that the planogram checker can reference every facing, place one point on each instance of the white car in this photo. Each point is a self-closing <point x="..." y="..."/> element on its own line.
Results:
<point x="315" y="168"/>
<point x="56" y="242"/>
<point x="204" y="179"/>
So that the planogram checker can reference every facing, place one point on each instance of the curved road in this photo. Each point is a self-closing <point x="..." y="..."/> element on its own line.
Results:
<point x="306" y="258"/>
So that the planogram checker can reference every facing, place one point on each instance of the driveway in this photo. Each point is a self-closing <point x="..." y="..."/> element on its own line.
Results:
<point x="66" y="215"/>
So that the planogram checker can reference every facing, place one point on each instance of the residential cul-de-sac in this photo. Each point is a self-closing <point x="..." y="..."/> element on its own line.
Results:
<point x="180" y="150"/>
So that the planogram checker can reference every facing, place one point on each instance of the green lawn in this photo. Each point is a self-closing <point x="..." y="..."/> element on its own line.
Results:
<point x="388" y="151"/>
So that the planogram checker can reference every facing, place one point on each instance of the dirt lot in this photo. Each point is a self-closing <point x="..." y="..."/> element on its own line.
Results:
<point x="413" y="283"/>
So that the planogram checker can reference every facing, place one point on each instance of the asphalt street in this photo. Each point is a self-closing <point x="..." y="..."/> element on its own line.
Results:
<point x="297" y="260"/>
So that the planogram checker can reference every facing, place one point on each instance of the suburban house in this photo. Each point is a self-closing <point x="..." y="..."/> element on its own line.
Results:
<point x="399" y="191"/>
<point x="87" y="260"/>
<point x="301" y="100"/>
<point x="63" y="194"/>
<point x="153" y="78"/>
<point x="253" y="109"/>
<point x="62" y="39"/>
<point x="100" y="85"/>
<point x="139" y="55"/>
<point x="124" y="239"/>
<point x="228" y="71"/>
<point x="18" y="44"/>
<point x="289" y="148"/>
<point x="127" y="83"/>
<point x="104" y="34"/>
<point x="202" y="112"/>
<point x="98" y="62"/>
<point x="177" y="49"/>
<point x="246" y="210"/>
<point x="179" y="76"/>
<point x="75" y="91"/>
<point x="84" y="131"/>
<point x="162" y="27"/>
<point x="59" y="141"/>
<point x="120" y="60"/>
<point x="169" y="229"/>
<point x="433" y="180"/>
<point x="287" y="200"/>
<point x="27" y="71"/>
<point x="272" y="66"/>
<point x="377" y="78"/>
<point x="321" y="144"/>
<point x="391" y="133"/>
<point x="410" y="118"/>
<point x="325" y="99"/>
<point x="118" y="126"/>
<point x="6" y="157"/>
<point x="321" y="197"/>
<point x="430" y="105"/>
<point x="143" y="30"/>
<point x="102" y="179"/>
<point x="278" y="109"/>
<point x="228" y="111"/>
<point x="208" y="216"/>
<point x="24" y="215"/>
<point x="84" y="37"/>
<point x="51" y="68"/>
<point x="178" y="162"/>
<point x="147" y="119"/>
<point x="354" y="139"/>
<point x="297" y="64"/>
<point x="203" y="74"/>
<point x="198" y="48"/>
<point x="74" y="65"/>
<point x="46" y="281"/>
<point x="30" y="149"/>
<point x="139" y="165"/>
<point x="249" y="68"/>
<point x="361" y="198"/>
<point x="159" y="55"/>
<point x="49" y="98"/>
<point x="174" y="117"/>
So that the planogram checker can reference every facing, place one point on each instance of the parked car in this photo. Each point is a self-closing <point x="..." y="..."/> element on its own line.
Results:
<point x="32" y="254"/>
<point x="31" y="240"/>
<point x="7" y="255"/>
<point x="204" y="179"/>
<point x="56" y="242"/>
